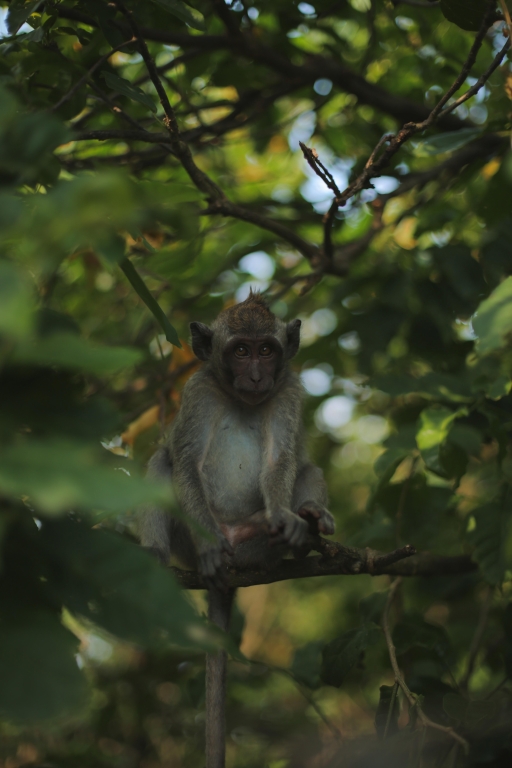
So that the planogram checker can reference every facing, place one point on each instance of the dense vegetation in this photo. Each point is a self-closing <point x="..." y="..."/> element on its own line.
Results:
<point x="151" y="172"/>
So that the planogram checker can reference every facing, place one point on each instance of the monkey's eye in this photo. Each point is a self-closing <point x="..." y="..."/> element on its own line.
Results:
<point x="265" y="350"/>
<point x="241" y="351"/>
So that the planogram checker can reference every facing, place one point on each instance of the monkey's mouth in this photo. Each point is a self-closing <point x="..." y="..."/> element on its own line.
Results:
<point x="253" y="396"/>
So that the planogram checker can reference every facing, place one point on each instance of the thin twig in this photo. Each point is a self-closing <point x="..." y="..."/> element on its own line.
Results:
<point x="506" y="14"/>
<point x="181" y="149"/>
<point x="391" y="708"/>
<point x="411" y="698"/>
<point x="88" y="74"/>
<point x="481" y="80"/>
<point x="477" y="637"/>
<point x="312" y="159"/>
<point x="418" y="3"/>
<point x="409" y="129"/>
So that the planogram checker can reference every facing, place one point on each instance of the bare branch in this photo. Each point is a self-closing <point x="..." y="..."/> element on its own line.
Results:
<point x="418" y="3"/>
<point x="180" y="148"/>
<point x="411" y="698"/>
<point x="481" y="80"/>
<point x="248" y="47"/>
<point x="337" y="560"/>
<point x="312" y="159"/>
<point x="140" y="135"/>
<point x="374" y="167"/>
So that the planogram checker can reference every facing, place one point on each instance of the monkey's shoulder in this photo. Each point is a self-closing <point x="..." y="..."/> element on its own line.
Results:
<point x="200" y="390"/>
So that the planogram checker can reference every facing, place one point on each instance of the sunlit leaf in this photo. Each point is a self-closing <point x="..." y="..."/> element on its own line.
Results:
<point x="19" y="11"/>
<point x="493" y="319"/>
<point x="434" y="426"/>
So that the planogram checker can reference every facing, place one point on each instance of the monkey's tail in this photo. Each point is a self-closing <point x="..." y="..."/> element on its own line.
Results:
<point x="219" y="611"/>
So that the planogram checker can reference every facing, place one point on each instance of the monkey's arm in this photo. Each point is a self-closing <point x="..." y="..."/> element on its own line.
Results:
<point x="189" y="440"/>
<point x="282" y="450"/>
<point x="154" y="523"/>
<point x="310" y="498"/>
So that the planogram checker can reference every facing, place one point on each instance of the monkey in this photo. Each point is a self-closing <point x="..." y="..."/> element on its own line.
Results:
<point x="236" y="456"/>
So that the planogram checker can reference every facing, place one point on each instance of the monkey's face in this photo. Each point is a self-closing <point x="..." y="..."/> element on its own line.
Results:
<point x="253" y="364"/>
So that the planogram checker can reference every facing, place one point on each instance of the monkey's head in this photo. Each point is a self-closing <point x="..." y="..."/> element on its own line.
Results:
<point x="247" y="348"/>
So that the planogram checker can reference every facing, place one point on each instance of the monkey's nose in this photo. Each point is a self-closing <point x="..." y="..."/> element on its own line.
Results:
<point x="255" y="374"/>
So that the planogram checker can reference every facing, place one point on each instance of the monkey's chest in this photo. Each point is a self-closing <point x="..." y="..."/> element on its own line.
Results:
<point x="232" y="468"/>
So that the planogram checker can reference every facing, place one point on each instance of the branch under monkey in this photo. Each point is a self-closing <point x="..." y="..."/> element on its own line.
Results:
<point x="336" y="560"/>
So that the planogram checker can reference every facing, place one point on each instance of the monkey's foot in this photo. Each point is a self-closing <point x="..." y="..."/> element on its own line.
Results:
<point x="287" y="528"/>
<point x="318" y="518"/>
<point x="211" y="555"/>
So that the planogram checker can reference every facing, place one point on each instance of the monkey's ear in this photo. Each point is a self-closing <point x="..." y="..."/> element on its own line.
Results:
<point x="201" y="340"/>
<point x="293" y="338"/>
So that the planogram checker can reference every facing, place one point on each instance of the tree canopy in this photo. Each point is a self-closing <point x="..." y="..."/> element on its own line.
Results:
<point x="351" y="160"/>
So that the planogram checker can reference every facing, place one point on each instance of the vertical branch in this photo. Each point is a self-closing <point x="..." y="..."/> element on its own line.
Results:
<point x="181" y="149"/>
<point x="411" y="698"/>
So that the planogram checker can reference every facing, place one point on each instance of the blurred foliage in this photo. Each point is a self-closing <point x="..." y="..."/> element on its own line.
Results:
<point x="106" y="254"/>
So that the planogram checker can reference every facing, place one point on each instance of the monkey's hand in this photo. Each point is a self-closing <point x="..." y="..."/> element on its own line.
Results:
<point x="211" y="555"/>
<point x="287" y="527"/>
<point x="318" y="518"/>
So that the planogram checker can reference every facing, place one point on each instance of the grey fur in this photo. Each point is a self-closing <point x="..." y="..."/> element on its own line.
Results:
<point x="241" y="472"/>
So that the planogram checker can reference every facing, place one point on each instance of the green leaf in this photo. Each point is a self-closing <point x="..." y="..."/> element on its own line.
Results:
<point x="67" y="350"/>
<point x="19" y="12"/>
<point x="414" y="632"/>
<point x="469" y="712"/>
<point x="114" y="583"/>
<point x="386" y="721"/>
<point x="306" y="664"/>
<point x="435" y="386"/>
<point x="445" y="142"/>
<point x="15" y="301"/>
<point x="126" y="88"/>
<point x="492" y="322"/>
<point x="435" y="424"/>
<point x="184" y="12"/>
<point x="58" y="475"/>
<point x="140" y="286"/>
<point x="371" y="608"/>
<point x="38" y="669"/>
<point x="489" y="530"/>
<point x="467" y="14"/>
<point x="341" y="655"/>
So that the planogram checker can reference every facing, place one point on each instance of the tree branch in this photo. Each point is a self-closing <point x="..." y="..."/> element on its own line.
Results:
<point x="248" y="47"/>
<point x="411" y="698"/>
<point x="337" y="560"/>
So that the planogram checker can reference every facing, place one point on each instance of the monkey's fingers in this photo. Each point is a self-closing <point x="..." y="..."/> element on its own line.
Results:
<point x="209" y="562"/>
<point x="318" y="518"/>
<point x="227" y="548"/>
<point x="326" y="523"/>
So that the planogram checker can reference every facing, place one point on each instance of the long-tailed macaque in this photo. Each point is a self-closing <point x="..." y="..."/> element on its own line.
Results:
<point x="236" y="457"/>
